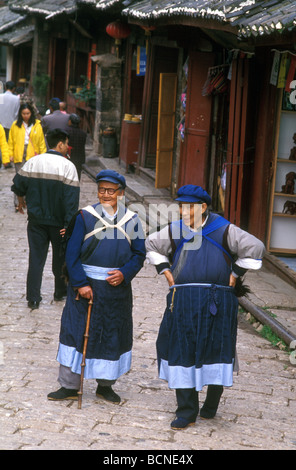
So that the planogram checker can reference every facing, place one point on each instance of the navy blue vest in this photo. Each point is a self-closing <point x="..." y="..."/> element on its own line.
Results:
<point x="108" y="248"/>
<point x="200" y="256"/>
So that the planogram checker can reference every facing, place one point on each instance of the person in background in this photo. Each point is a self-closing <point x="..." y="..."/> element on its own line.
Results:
<point x="63" y="107"/>
<point x="50" y="184"/>
<point x="9" y="106"/>
<point x="3" y="144"/>
<point x="56" y="119"/>
<point x="26" y="138"/>
<point x="77" y="140"/>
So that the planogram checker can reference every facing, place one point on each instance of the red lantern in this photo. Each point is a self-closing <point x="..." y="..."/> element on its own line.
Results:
<point x="118" y="31"/>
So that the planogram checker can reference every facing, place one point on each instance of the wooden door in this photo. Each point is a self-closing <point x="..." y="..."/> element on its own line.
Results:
<point x="165" y="129"/>
<point x="160" y="60"/>
<point x="58" y="67"/>
<point x="194" y="149"/>
<point x="241" y="142"/>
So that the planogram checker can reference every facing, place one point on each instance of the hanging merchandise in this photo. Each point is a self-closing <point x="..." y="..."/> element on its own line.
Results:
<point x="181" y="128"/>
<point x="275" y="68"/>
<point x="283" y="70"/>
<point x="291" y="73"/>
<point x="223" y="177"/>
<point x="216" y="81"/>
<point x="183" y="100"/>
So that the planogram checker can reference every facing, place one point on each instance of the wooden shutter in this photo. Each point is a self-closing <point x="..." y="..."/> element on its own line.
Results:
<point x="165" y="129"/>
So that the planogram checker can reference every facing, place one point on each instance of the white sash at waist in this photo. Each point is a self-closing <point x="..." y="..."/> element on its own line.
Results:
<point x="97" y="272"/>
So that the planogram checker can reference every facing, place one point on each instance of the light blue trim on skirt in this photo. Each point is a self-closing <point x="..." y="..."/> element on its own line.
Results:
<point x="191" y="377"/>
<point x="94" y="368"/>
<point x="97" y="272"/>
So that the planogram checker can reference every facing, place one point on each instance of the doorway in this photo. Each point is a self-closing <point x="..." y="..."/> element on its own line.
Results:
<point x="162" y="60"/>
<point x="59" y="48"/>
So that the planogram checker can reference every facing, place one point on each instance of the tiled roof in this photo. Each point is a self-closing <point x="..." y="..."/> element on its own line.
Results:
<point x="251" y="17"/>
<point x="47" y="8"/>
<point x="8" y="18"/>
<point x="248" y="17"/>
<point x="17" y="36"/>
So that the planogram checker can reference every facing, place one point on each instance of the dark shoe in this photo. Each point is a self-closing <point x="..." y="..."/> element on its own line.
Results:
<point x="33" y="305"/>
<point x="108" y="394"/>
<point x="58" y="298"/>
<point x="181" y="423"/>
<point x="63" y="394"/>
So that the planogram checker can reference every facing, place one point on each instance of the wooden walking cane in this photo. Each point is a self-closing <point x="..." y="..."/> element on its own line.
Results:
<point x="86" y="336"/>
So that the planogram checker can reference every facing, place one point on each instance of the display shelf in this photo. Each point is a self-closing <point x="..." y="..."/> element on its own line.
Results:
<point x="282" y="215"/>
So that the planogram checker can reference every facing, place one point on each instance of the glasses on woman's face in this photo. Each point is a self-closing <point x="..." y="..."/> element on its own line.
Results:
<point x="109" y="191"/>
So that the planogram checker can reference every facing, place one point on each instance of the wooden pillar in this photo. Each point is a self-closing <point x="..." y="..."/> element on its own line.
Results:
<point x="109" y="96"/>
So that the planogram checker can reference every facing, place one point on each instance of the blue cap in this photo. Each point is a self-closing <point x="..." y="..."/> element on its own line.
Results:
<point x="192" y="193"/>
<point x="111" y="176"/>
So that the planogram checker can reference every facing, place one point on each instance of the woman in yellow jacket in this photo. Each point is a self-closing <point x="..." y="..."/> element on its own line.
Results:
<point x="3" y="145"/>
<point x="26" y="137"/>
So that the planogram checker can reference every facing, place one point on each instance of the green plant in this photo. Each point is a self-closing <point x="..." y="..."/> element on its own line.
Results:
<point x="88" y="92"/>
<point x="40" y="85"/>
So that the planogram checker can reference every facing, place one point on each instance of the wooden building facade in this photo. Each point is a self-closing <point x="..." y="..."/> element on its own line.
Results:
<point x="203" y="96"/>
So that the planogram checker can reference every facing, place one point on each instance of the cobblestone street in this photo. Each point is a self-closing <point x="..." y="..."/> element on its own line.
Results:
<point x="257" y="413"/>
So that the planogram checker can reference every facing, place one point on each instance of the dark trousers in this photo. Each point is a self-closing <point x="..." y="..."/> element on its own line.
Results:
<point x="39" y="237"/>
<point x="188" y="402"/>
<point x="188" y="405"/>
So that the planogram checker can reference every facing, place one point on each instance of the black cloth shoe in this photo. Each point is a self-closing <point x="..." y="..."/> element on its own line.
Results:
<point x="108" y="394"/>
<point x="33" y="305"/>
<point x="63" y="394"/>
<point x="58" y="298"/>
<point x="181" y="423"/>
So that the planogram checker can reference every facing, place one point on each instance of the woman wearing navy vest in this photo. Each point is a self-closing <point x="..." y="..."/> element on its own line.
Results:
<point x="202" y="255"/>
<point x="104" y="253"/>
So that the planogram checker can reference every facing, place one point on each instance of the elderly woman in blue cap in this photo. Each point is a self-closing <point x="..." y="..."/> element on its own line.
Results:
<point x="202" y="256"/>
<point x="104" y="253"/>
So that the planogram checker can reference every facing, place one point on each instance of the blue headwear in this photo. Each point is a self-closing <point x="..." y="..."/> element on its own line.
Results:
<point x="111" y="176"/>
<point x="191" y="193"/>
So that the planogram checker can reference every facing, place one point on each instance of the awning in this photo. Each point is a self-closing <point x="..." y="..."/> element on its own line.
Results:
<point x="18" y="36"/>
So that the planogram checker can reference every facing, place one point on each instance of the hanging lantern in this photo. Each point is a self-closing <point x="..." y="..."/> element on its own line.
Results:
<point x="118" y="31"/>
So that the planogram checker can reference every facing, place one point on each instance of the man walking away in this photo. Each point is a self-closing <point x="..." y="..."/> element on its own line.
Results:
<point x="55" y="120"/>
<point x="9" y="107"/>
<point x="50" y="184"/>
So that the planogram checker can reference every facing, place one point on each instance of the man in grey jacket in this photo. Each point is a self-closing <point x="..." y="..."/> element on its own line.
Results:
<point x="9" y="107"/>
<point x="55" y="120"/>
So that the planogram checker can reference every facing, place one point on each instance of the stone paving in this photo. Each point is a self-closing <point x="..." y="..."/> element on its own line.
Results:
<point x="257" y="413"/>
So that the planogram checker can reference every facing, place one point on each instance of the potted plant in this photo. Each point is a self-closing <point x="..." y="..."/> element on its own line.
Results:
<point x="87" y="93"/>
<point x="40" y="85"/>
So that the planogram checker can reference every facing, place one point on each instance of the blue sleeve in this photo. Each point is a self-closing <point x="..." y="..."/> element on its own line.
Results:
<point x="76" y="272"/>
<point x="20" y="185"/>
<point x="135" y="263"/>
